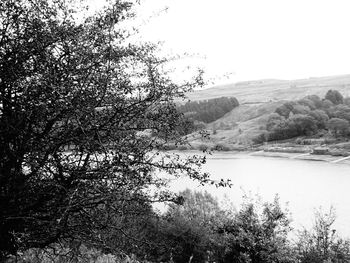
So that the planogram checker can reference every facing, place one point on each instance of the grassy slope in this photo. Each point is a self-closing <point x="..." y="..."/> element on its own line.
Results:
<point x="259" y="99"/>
<point x="274" y="90"/>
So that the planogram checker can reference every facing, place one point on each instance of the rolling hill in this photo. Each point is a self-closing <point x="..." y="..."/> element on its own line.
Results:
<point x="275" y="90"/>
<point x="258" y="99"/>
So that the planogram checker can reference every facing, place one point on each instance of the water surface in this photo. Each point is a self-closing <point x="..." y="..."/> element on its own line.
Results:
<point x="305" y="185"/>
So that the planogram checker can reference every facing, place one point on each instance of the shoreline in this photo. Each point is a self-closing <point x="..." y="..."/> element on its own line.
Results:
<point x="303" y="156"/>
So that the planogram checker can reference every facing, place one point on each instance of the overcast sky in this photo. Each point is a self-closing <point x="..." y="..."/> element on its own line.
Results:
<point x="254" y="39"/>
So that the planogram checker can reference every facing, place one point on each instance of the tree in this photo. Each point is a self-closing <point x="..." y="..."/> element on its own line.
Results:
<point x="321" y="118"/>
<point x="78" y="102"/>
<point x="302" y="124"/>
<point x="273" y="120"/>
<point x="334" y="96"/>
<point x="295" y="125"/>
<point x="285" y="109"/>
<point x="301" y="109"/>
<point x="190" y="229"/>
<point x="310" y="102"/>
<point x="321" y="243"/>
<point x="326" y="104"/>
<point x="316" y="100"/>
<point x="209" y="110"/>
<point x="258" y="234"/>
<point x="338" y="126"/>
<point x="340" y="111"/>
<point x="347" y="101"/>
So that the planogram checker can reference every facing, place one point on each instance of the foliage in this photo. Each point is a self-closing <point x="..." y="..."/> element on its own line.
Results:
<point x="209" y="110"/>
<point x="261" y="138"/>
<point x="203" y="147"/>
<point x="338" y="126"/>
<point x="340" y="111"/>
<point x="78" y="102"/>
<point x="190" y="228"/>
<point x="308" y="116"/>
<point x="285" y="109"/>
<point x="295" y="125"/>
<point x="75" y="253"/>
<point x="255" y="236"/>
<point x="274" y="120"/>
<point x="220" y="147"/>
<point x="320" y="117"/>
<point x="316" y="101"/>
<point x="334" y="96"/>
<point x="321" y="243"/>
<point x="199" y="229"/>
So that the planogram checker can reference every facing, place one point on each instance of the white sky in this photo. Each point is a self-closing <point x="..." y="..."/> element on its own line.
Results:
<point x="254" y="39"/>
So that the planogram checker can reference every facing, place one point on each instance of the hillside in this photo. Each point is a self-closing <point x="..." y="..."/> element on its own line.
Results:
<point x="275" y="90"/>
<point x="258" y="99"/>
<point x="243" y="123"/>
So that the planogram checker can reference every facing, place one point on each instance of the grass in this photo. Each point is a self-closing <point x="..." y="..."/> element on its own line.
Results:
<point x="275" y="90"/>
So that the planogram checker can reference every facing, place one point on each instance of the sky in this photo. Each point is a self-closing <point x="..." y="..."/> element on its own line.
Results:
<point x="254" y="39"/>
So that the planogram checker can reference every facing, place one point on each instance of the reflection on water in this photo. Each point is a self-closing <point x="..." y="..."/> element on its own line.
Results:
<point x="305" y="185"/>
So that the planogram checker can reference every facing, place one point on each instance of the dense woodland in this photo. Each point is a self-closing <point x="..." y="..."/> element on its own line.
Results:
<point x="208" y="110"/>
<point x="310" y="116"/>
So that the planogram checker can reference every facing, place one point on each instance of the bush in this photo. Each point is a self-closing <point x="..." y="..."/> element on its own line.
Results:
<point x="182" y="147"/>
<point x="203" y="147"/>
<point x="338" y="126"/>
<point x="169" y="147"/>
<point x="258" y="233"/>
<point x="303" y="141"/>
<point x="334" y="96"/>
<point x="221" y="147"/>
<point x="261" y="138"/>
<point x="321" y="243"/>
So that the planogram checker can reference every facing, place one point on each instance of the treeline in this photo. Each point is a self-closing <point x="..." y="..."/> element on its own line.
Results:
<point x="200" y="230"/>
<point x="309" y="116"/>
<point x="208" y="110"/>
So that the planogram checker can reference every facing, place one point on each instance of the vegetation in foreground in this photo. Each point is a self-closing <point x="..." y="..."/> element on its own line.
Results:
<point x="201" y="230"/>
<point x="78" y="105"/>
<point x="78" y="100"/>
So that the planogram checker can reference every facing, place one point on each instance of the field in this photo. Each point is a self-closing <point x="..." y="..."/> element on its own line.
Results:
<point x="275" y="90"/>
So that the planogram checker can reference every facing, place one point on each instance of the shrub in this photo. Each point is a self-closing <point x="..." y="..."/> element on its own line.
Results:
<point x="221" y="147"/>
<point x="338" y="126"/>
<point x="261" y="138"/>
<point x="203" y="147"/>
<point x="334" y="96"/>
<point x="182" y="148"/>
<point x="321" y="244"/>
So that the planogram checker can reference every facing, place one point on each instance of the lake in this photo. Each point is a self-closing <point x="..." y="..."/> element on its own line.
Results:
<point x="305" y="185"/>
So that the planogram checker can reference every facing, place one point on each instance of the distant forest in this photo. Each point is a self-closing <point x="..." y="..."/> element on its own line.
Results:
<point x="208" y="110"/>
<point x="309" y="116"/>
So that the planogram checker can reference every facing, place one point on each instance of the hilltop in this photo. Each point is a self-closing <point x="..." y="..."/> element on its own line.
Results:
<point x="274" y="90"/>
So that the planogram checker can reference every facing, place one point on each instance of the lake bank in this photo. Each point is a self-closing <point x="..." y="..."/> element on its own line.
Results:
<point x="279" y="153"/>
